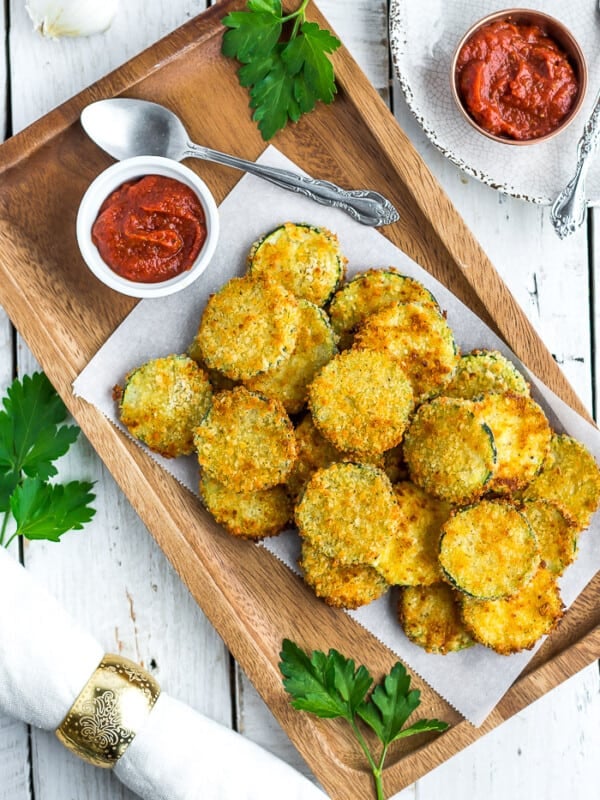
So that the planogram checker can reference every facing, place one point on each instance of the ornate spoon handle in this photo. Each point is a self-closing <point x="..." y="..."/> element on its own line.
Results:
<point x="568" y="211"/>
<point x="364" y="205"/>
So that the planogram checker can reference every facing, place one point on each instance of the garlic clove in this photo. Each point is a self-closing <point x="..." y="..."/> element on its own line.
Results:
<point x="71" y="17"/>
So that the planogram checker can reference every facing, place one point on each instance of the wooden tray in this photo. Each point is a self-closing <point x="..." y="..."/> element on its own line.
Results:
<point x="65" y="315"/>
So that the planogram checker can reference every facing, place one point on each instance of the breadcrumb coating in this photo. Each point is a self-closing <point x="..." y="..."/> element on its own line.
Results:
<point x="249" y="326"/>
<point x="246" y="441"/>
<point x="361" y="401"/>
<point x="305" y="259"/>
<point x="163" y="401"/>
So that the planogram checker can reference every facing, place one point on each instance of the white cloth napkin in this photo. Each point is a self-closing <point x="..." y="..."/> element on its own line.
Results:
<point x="45" y="661"/>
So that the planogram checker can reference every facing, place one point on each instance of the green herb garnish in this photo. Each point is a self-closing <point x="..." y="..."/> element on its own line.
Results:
<point x="329" y="686"/>
<point x="31" y="439"/>
<point x="286" y="77"/>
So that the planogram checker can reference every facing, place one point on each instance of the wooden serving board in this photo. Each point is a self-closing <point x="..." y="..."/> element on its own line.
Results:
<point x="65" y="315"/>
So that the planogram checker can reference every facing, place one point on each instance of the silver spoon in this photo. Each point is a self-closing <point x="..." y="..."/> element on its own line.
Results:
<point x="568" y="210"/>
<point x="125" y="127"/>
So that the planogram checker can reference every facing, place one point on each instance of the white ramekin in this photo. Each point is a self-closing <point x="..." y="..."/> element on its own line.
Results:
<point x="128" y="170"/>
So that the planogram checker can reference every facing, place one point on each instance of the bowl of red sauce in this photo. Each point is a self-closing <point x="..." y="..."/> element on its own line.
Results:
<point x="147" y="226"/>
<point x="519" y="76"/>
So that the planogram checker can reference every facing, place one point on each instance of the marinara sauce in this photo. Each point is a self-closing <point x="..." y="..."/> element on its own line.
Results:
<point x="515" y="81"/>
<point x="150" y="230"/>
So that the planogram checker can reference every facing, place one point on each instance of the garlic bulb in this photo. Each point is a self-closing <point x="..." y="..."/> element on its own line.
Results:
<point x="71" y="17"/>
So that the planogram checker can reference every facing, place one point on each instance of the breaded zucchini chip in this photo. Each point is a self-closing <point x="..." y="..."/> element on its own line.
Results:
<point x="522" y="437"/>
<point x="570" y="478"/>
<point x="488" y="550"/>
<point x="340" y="585"/>
<point x="412" y="559"/>
<point x="249" y="515"/>
<point x="449" y="452"/>
<point x="516" y="623"/>
<point x="315" y="346"/>
<point x="555" y="532"/>
<point x="361" y="401"/>
<point x="246" y="441"/>
<point x="163" y="401"/>
<point x="430" y="617"/>
<point x="369" y="292"/>
<point x="420" y="338"/>
<point x="484" y="371"/>
<point x="304" y="259"/>
<point x="314" y="452"/>
<point x="349" y="513"/>
<point x="249" y="326"/>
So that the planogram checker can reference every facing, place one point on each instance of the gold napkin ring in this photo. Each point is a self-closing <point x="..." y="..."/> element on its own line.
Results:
<point x="109" y="711"/>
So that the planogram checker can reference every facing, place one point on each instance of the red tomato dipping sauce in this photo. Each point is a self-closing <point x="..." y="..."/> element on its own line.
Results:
<point x="150" y="230"/>
<point x="515" y="81"/>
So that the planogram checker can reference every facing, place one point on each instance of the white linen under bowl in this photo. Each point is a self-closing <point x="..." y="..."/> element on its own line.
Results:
<point x="109" y="180"/>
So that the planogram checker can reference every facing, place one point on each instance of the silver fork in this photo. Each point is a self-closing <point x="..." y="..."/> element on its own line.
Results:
<point x="568" y="210"/>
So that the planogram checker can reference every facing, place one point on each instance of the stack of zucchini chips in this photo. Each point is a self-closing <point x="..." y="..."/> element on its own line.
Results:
<point x="348" y="408"/>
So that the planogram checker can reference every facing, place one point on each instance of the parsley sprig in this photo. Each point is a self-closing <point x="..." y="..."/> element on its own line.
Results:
<point x="330" y="686"/>
<point x="286" y="76"/>
<point x="31" y="439"/>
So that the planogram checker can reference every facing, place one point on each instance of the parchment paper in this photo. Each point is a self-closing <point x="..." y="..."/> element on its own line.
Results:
<point x="474" y="680"/>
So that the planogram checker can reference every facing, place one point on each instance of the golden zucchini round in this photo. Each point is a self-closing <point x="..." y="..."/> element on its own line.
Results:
<point x="163" y="401"/>
<point x="315" y="346"/>
<point x="246" y="441"/>
<point x="570" y="478"/>
<point x="412" y="559"/>
<point x="248" y="515"/>
<point x="488" y="550"/>
<point x="369" y="292"/>
<point x="483" y="371"/>
<point x="361" y="401"/>
<point x="419" y="337"/>
<point x="430" y="617"/>
<point x="555" y="532"/>
<point x="349" y="513"/>
<point x="305" y="259"/>
<point x="450" y="453"/>
<point x="522" y="438"/>
<point x="249" y="326"/>
<point x="517" y="622"/>
<point x="340" y="585"/>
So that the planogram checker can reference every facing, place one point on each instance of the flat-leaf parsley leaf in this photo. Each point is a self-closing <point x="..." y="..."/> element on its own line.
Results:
<point x="46" y="510"/>
<point x="286" y="75"/>
<point x="330" y="686"/>
<point x="32" y="437"/>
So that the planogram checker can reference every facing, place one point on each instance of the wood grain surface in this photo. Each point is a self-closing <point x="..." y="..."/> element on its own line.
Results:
<point x="65" y="315"/>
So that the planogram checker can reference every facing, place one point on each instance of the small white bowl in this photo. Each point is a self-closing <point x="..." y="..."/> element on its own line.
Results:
<point x="109" y="180"/>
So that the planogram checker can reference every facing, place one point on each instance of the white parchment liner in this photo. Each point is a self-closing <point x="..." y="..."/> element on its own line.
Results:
<point x="473" y="680"/>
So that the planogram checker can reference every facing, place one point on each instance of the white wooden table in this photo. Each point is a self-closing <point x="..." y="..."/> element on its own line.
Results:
<point x="116" y="581"/>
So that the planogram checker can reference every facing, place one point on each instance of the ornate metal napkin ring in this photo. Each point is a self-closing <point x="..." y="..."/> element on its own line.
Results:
<point x="109" y="711"/>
